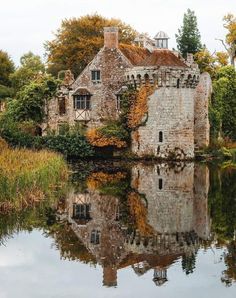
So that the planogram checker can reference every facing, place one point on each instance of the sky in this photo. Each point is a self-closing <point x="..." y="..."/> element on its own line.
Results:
<point x="25" y="25"/>
<point x="30" y="266"/>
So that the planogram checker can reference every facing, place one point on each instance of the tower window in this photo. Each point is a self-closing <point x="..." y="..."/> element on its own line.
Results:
<point x="160" y="183"/>
<point x="178" y="83"/>
<point x="96" y="75"/>
<point x="160" y="136"/>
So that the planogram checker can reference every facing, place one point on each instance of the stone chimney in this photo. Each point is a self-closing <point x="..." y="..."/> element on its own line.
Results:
<point x="111" y="37"/>
<point x="109" y="276"/>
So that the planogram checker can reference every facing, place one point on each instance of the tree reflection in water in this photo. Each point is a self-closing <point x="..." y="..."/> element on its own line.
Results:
<point x="146" y="216"/>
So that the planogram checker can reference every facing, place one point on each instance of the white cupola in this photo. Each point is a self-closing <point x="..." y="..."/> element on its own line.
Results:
<point x="161" y="40"/>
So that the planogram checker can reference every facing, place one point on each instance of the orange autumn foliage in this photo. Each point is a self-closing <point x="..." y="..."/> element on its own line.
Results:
<point x="96" y="180"/>
<point x="139" y="212"/>
<point x="96" y="138"/>
<point x="139" y="106"/>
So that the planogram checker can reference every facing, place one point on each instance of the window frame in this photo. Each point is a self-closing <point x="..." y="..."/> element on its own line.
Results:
<point x="95" y="75"/>
<point x="82" y="102"/>
<point x="118" y="102"/>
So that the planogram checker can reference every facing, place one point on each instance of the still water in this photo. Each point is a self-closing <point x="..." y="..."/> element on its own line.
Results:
<point x="126" y="230"/>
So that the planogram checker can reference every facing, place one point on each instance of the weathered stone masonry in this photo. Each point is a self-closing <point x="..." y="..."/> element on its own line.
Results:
<point x="176" y="122"/>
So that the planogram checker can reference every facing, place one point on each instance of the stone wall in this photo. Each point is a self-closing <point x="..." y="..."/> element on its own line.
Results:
<point x="54" y="119"/>
<point x="180" y="205"/>
<point x="177" y="109"/>
<point x="112" y="64"/>
<point x="201" y="121"/>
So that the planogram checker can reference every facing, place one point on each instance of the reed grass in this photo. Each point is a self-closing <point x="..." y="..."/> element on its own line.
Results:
<point x="27" y="176"/>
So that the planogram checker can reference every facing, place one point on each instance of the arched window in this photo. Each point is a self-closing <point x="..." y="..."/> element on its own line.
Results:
<point x="160" y="136"/>
<point x="146" y="78"/>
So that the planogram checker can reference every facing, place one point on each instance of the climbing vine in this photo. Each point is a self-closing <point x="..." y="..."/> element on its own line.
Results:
<point x="99" y="179"/>
<point x="139" y="106"/>
<point x="139" y="212"/>
<point x="112" y="134"/>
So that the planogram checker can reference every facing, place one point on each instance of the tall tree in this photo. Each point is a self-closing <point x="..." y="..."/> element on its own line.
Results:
<point x="230" y="40"/>
<point x="6" y="68"/>
<point x="188" y="38"/>
<point x="79" y="39"/>
<point x="223" y="105"/>
<point x="31" y="66"/>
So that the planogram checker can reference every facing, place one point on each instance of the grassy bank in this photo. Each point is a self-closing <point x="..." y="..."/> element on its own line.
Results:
<point x="27" y="177"/>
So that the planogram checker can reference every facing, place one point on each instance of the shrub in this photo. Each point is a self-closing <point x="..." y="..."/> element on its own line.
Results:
<point x="98" y="139"/>
<point x="70" y="144"/>
<point x="111" y="134"/>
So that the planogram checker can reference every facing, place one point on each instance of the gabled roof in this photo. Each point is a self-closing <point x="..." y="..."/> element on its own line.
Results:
<point x="134" y="54"/>
<point x="162" y="58"/>
<point x="139" y="56"/>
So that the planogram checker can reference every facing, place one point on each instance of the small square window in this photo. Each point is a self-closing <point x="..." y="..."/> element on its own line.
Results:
<point x="95" y="237"/>
<point x="96" y="75"/>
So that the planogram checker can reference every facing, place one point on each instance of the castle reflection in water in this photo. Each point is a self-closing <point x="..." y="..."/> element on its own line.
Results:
<point x="146" y="217"/>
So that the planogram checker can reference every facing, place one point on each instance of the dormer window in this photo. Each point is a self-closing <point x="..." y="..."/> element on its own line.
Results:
<point x="96" y="75"/>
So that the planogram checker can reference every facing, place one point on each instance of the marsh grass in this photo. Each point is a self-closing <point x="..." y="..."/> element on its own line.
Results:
<point x="27" y="177"/>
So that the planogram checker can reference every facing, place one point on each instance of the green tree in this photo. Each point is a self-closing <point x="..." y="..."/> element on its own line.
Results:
<point x="79" y="39"/>
<point x="31" y="66"/>
<point x="223" y="106"/>
<point x="31" y="99"/>
<point x="6" y="68"/>
<point x="188" y="38"/>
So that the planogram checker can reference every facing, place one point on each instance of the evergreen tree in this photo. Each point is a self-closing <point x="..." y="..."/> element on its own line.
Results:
<point x="188" y="38"/>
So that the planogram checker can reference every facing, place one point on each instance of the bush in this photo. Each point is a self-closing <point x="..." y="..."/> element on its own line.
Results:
<point x="71" y="144"/>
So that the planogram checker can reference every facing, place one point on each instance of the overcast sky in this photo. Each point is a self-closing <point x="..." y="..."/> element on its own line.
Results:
<point x="26" y="24"/>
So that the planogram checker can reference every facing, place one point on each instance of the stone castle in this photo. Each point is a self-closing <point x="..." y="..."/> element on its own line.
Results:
<point x="176" y="121"/>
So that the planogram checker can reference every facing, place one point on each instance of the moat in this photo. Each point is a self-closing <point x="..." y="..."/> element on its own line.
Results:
<point x="125" y="230"/>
